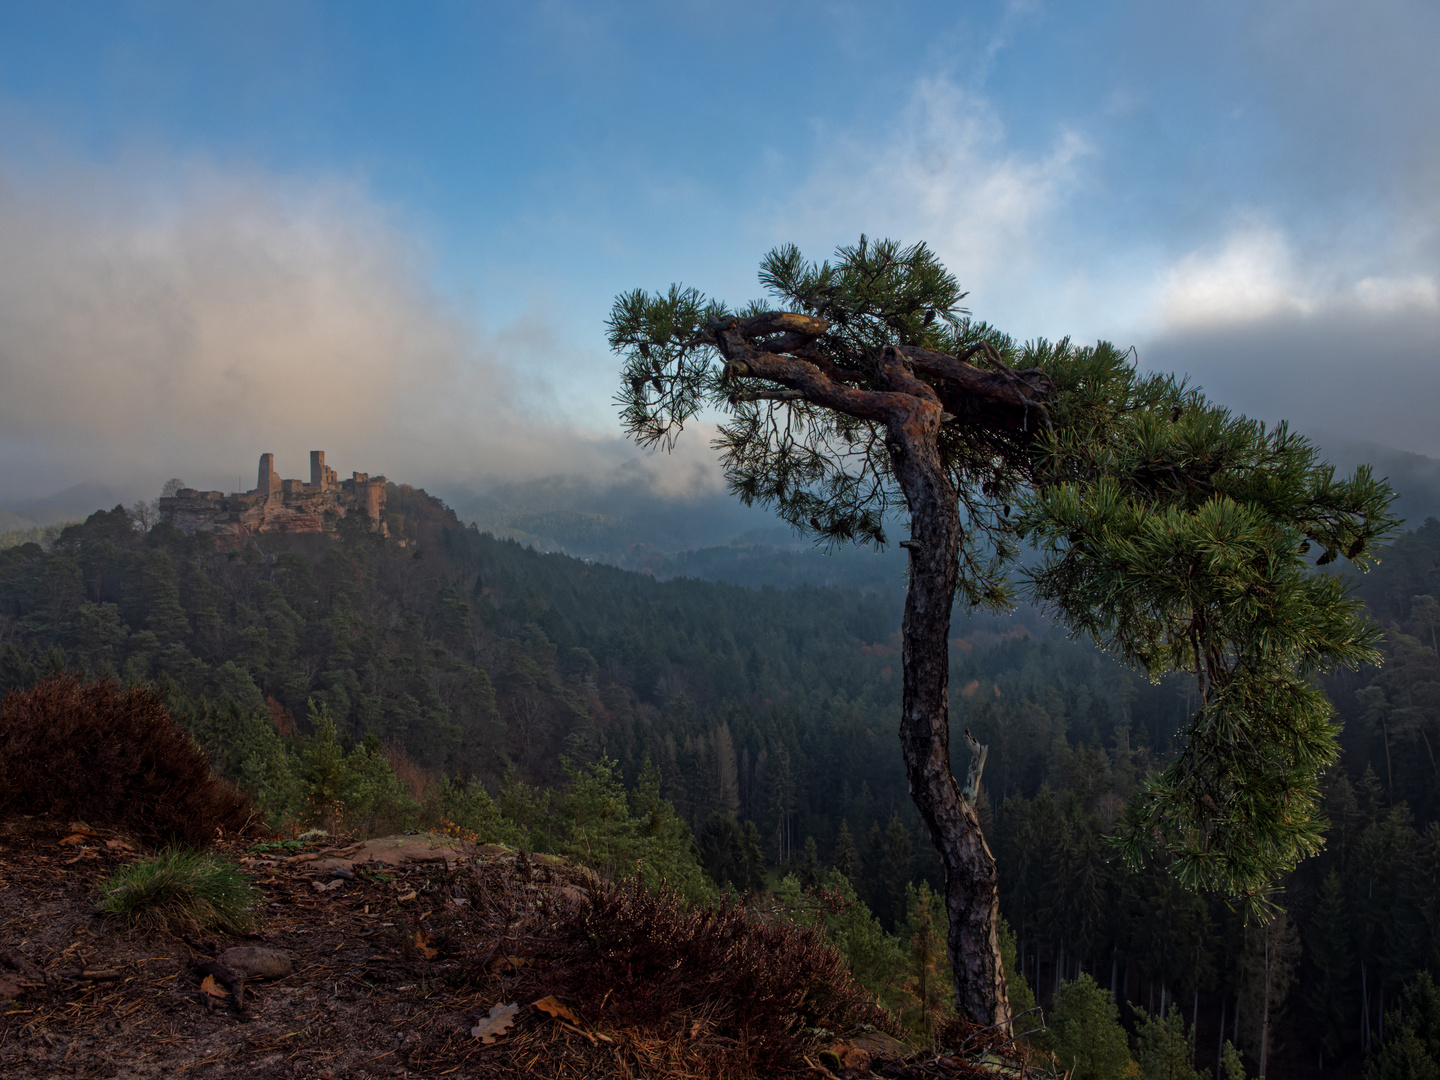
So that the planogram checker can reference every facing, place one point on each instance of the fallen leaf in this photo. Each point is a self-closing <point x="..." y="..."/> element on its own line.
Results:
<point x="498" y="1023"/>
<point x="75" y="838"/>
<point x="508" y="964"/>
<point x="407" y="897"/>
<point x="208" y="985"/>
<point x="422" y="945"/>
<point x="555" y="1009"/>
<point x="118" y="845"/>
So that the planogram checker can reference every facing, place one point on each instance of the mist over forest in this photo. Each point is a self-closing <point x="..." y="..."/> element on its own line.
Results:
<point x="767" y="708"/>
<point x="427" y="240"/>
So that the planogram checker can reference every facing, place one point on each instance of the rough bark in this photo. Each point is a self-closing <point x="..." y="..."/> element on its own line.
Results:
<point x="972" y="896"/>
<point x="912" y="412"/>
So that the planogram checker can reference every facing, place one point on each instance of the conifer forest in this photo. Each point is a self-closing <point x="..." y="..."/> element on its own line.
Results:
<point x="742" y="740"/>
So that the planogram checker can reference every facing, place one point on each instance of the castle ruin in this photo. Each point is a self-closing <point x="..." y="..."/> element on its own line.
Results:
<point x="276" y="505"/>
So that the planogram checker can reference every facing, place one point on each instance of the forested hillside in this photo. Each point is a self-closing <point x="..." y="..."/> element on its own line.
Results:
<point x="777" y="708"/>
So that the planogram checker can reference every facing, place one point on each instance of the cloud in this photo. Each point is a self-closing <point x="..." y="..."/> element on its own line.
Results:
<point x="942" y="172"/>
<point x="163" y="318"/>
<point x="1254" y="273"/>
<point x="1305" y="336"/>
<point x="1251" y="275"/>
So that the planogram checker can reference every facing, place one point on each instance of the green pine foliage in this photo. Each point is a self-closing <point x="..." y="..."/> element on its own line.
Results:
<point x="1022" y="999"/>
<point x="1411" y="1050"/>
<point x="929" y="981"/>
<point x="1085" y="1035"/>
<point x="1163" y="1047"/>
<point x="1231" y="1067"/>
<point x="879" y="961"/>
<point x="593" y="821"/>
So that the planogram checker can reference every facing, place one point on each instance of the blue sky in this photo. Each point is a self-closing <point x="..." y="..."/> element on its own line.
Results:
<point x="395" y="229"/>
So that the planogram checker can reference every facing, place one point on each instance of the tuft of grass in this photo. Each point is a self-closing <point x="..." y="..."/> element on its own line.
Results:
<point x="181" y="890"/>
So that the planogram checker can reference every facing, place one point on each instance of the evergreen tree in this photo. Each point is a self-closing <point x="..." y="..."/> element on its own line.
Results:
<point x="754" y="860"/>
<point x="1163" y="1048"/>
<point x="1411" y="1050"/>
<point x="1085" y="1034"/>
<point x="1329" y="991"/>
<point x="929" y="980"/>
<point x="1172" y="532"/>
<point x="808" y="870"/>
<point x="896" y="866"/>
<point x="1269" y="964"/>
<point x="1231" y="1067"/>
<point x="845" y="859"/>
<point x="722" y="851"/>
<point x="1022" y="999"/>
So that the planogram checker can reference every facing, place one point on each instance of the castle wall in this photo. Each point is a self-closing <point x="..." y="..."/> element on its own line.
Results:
<point x="288" y="506"/>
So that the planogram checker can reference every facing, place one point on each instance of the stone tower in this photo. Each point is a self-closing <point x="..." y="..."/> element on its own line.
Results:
<point x="269" y="482"/>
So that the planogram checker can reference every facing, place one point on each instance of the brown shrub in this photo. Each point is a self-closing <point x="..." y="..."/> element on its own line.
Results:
<point x="638" y="958"/>
<point x="110" y="755"/>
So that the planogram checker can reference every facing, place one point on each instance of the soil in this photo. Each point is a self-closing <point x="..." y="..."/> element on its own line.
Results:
<point x="382" y="981"/>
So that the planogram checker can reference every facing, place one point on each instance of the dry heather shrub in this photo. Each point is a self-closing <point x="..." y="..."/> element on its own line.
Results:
<point x="639" y="958"/>
<point x="110" y="755"/>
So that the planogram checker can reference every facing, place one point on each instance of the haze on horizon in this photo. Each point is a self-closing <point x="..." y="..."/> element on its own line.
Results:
<point x="394" y="233"/>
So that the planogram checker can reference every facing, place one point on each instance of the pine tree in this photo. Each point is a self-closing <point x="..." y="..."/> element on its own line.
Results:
<point x="808" y="871"/>
<point x="929" y="980"/>
<point x="1330" y="992"/>
<point x="1272" y="952"/>
<point x="1175" y="534"/>
<point x="1085" y="1034"/>
<point x="1231" y="1067"/>
<point x="1163" y="1047"/>
<point x="845" y="859"/>
<point x="754" y="858"/>
<point x="897" y="864"/>
<point x="1411" y="1050"/>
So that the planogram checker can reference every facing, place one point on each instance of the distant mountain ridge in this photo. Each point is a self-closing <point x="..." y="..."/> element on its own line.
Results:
<point x="12" y="522"/>
<point x="75" y="503"/>
<point x="1415" y="477"/>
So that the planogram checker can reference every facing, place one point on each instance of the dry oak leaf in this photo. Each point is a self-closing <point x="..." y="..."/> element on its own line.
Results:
<point x="422" y="945"/>
<point x="75" y="838"/>
<point x="496" y="1024"/>
<point x="208" y="985"/>
<point x="555" y="1009"/>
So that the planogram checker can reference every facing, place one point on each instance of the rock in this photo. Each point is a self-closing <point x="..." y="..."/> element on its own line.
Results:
<point x="253" y="962"/>
<point x="880" y="1047"/>
<point x="395" y="851"/>
<point x="846" y="1060"/>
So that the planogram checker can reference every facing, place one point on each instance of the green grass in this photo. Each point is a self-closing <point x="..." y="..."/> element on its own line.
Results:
<point x="182" y="890"/>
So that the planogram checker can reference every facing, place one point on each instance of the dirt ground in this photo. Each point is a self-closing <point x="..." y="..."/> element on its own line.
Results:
<point x="382" y="982"/>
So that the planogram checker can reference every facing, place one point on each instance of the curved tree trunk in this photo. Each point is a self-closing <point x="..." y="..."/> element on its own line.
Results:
<point x="972" y="897"/>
